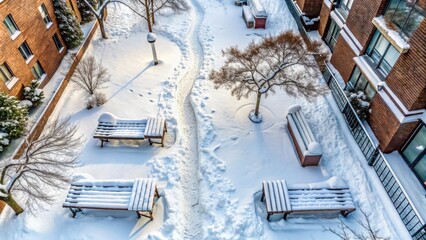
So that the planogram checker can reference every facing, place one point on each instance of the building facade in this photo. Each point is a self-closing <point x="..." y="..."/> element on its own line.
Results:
<point x="379" y="47"/>
<point x="31" y="44"/>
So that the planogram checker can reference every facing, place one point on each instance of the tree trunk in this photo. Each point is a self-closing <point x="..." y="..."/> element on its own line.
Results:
<point x="13" y="204"/>
<point x="102" y="27"/>
<point x="148" y="18"/>
<point x="256" y="110"/>
<point x="152" y="12"/>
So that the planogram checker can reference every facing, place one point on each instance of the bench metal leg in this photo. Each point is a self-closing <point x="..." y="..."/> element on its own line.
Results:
<point x="149" y="140"/>
<point x="267" y="218"/>
<point x="143" y="215"/>
<point x="344" y="213"/>
<point x="262" y="199"/>
<point x="75" y="211"/>
<point x="285" y="216"/>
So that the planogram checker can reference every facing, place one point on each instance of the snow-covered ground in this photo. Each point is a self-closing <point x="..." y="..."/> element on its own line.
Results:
<point x="214" y="159"/>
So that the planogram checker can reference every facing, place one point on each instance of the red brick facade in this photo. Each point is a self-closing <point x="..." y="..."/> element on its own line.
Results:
<point x="408" y="76"/>
<point x="390" y="132"/>
<point x="342" y="58"/>
<point x="324" y="19"/>
<point x="38" y="37"/>
<point x="360" y="16"/>
<point x="311" y="8"/>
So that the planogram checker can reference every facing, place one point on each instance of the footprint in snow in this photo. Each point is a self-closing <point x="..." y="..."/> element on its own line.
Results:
<point x="140" y="95"/>
<point x="131" y="90"/>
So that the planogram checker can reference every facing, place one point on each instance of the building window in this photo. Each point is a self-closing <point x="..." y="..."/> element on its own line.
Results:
<point x="37" y="70"/>
<point x="331" y="37"/>
<point x="45" y="15"/>
<point x="382" y="54"/>
<point x="25" y="51"/>
<point x="405" y="14"/>
<point x="344" y="6"/>
<point x="414" y="153"/>
<point x="10" y="25"/>
<point x="58" y="43"/>
<point x="5" y="74"/>
<point x="358" y="82"/>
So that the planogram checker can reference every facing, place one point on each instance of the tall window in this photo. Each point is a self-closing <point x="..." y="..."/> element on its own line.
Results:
<point x="25" y="51"/>
<point x="10" y="25"/>
<point x="382" y="54"/>
<point x="405" y="14"/>
<point x="58" y="43"/>
<point x="331" y="37"/>
<point x="344" y="6"/>
<point x="37" y="70"/>
<point x="414" y="153"/>
<point x="5" y="73"/>
<point x="44" y="14"/>
<point x="359" y="82"/>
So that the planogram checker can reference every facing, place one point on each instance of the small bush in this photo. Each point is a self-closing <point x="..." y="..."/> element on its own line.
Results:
<point x="4" y="141"/>
<point x="33" y="94"/>
<point x="359" y="102"/>
<point x="100" y="98"/>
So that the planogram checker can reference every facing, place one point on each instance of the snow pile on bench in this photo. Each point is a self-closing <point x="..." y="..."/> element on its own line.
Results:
<point x="332" y="195"/>
<point x="308" y="149"/>
<point x="133" y="195"/>
<point x="112" y="127"/>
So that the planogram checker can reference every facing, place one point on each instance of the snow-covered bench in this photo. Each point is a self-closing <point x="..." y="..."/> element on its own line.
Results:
<point x="112" y="127"/>
<point x="332" y="196"/>
<point x="248" y="16"/>
<point x="308" y="149"/>
<point x="132" y="195"/>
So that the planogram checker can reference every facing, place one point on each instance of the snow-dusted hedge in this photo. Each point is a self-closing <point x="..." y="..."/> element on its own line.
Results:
<point x="68" y="26"/>
<point x="13" y="119"/>
<point x="34" y="94"/>
<point x="359" y="102"/>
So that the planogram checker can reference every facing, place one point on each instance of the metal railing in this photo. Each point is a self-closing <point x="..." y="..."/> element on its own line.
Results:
<point x="400" y="199"/>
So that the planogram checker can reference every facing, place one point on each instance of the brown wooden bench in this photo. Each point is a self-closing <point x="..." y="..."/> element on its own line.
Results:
<point x="307" y="148"/>
<point x="137" y="195"/>
<point x="112" y="127"/>
<point x="307" y="198"/>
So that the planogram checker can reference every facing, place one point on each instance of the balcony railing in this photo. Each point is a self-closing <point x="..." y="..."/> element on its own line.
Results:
<point x="406" y="209"/>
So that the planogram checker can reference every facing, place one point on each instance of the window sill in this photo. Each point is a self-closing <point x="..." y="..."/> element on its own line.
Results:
<point x="368" y="71"/>
<point x="29" y="59"/>
<point x="15" y="35"/>
<point x="62" y="49"/>
<point x="391" y="35"/>
<point x="42" y="78"/>
<point x="12" y="82"/>
<point x="48" y="25"/>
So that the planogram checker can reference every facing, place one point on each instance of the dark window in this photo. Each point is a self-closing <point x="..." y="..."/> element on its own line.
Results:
<point x="359" y="82"/>
<point x="58" y="43"/>
<point x="333" y="33"/>
<point x="5" y="73"/>
<point x="344" y="6"/>
<point x="382" y="54"/>
<point x="10" y="24"/>
<point x="414" y="153"/>
<point x="405" y="14"/>
<point x="44" y="14"/>
<point x="25" y="51"/>
<point x="37" y="70"/>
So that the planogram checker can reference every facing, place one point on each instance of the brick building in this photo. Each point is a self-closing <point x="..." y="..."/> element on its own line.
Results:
<point x="379" y="47"/>
<point x="31" y="45"/>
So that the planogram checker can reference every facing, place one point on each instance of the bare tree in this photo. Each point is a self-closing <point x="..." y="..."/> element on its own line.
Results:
<point x="143" y="8"/>
<point x="43" y="168"/>
<point x="366" y="231"/>
<point x="90" y="75"/>
<point x="149" y="7"/>
<point x="282" y="61"/>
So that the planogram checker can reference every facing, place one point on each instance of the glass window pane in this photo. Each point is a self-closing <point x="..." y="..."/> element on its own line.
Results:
<point x="370" y="91"/>
<point x="420" y="169"/>
<point x="391" y="8"/>
<point x="413" y="22"/>
<point x="4" y="70"/>
<point x="379" y="49"/>
<point x="373" y="42"/>
<point x="354" y="78"/>
<point x="37" y="70"/>
<point x="416" y="146"/>
<point x="10" y="24"/>
<point x="401" y="14"/>
<point x="389" y="60"/>
<point x="361" y="84"/>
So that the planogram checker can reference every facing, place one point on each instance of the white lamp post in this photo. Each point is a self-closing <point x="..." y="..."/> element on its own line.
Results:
<point x="151" y="39"/>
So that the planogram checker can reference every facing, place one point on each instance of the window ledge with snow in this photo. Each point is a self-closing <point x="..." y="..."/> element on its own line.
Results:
<point x="49" y="25"/>
<point x="15" y="34"/>
<point x="42" y="78"/>
<point x="29" y="59"/>
<point x="391" y="35"/>
<point x="12" y="82"/>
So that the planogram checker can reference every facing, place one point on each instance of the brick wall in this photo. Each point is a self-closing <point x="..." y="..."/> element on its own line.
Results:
<point x="324" y="19"/>
<point x="311" y="8"/>
<point x="38" y="37"/>
<point x="342" y="58"/>
<point x="389" y="131"/>
<point x="408" y="76"/>
<point x="360" y="16"/>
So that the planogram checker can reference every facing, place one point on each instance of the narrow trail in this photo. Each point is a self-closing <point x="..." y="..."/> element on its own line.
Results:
<point x="187" y="125"/>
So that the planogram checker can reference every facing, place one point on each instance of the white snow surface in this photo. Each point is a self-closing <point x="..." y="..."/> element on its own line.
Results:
<point x="234" y="154"/>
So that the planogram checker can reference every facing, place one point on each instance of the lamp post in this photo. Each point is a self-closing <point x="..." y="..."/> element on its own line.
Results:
<point x="151" y="39"/>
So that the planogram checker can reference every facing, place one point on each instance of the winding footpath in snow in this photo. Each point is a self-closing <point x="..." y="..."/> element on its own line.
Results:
<point x="187" y="125"/>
